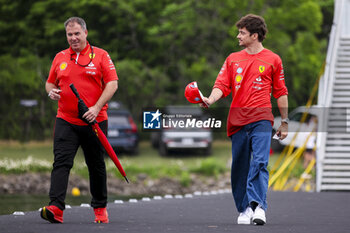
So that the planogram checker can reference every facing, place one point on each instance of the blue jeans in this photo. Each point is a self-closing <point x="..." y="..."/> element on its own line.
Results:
<point x="250" y="157"/>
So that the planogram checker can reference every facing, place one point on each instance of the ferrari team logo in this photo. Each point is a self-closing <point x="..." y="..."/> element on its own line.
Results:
<point x="92" y="55"/>
<point x="63" y="66"/>
<point x="261" y="69"/>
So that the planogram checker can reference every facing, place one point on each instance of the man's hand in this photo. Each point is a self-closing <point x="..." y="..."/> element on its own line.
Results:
<point x="106" y="95"/>
<point x="207" y="102"/>
<point x="282" y="131"/>
<point x="91" y="115"/>
<point x="216" y="94"/>
<point x="54" y="94"/>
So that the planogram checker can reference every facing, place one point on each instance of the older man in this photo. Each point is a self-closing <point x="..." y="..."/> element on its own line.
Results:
<point x="92" y="72"/>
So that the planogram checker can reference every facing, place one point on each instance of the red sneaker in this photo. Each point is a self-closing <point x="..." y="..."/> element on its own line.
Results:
<point x="52" y="214"/>
<point x="101" y="215"/>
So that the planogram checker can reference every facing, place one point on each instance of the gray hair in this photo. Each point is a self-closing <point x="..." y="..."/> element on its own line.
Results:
<point x="77" y="20"/>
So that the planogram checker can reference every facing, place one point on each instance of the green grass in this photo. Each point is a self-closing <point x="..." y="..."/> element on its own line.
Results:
<point x="16" y="150"/>
<point x="38" y="157"/>
<point x="150" y="162"/>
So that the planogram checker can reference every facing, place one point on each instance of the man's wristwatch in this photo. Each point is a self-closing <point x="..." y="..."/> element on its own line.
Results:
<point x="285" y="120"/>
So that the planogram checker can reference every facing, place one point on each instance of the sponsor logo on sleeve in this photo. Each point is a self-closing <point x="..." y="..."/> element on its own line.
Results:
<point x="63" y="65"/>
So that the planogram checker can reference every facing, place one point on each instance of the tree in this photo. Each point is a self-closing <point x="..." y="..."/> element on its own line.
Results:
<point x="158" y="47"/>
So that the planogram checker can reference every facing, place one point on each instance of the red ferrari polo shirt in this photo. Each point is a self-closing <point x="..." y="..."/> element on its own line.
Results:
<point x="251" y="78"/>
<point x="89" y="71"/>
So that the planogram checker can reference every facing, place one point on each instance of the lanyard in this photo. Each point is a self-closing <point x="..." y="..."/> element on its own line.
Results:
<point x="76" y="60"/>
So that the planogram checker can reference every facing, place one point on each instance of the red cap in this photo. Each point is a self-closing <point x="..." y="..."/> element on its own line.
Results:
<point x="193" y="94"/>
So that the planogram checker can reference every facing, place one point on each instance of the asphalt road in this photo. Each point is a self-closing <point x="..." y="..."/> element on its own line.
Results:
<point x="327" y="212"/>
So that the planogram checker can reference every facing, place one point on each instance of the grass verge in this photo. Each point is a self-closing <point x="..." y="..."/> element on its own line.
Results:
<point x="38" y="157"/>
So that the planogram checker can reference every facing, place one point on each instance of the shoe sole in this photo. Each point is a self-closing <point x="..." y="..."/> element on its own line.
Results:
<point x="48" y="215"/>
<point x="243" y="222"/>
<point x="99" y="221"/>
<point x="258" y="221"/>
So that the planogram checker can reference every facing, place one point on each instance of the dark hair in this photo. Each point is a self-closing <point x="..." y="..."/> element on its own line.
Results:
<point x="77" y="20"/>
<point x="254" y="24"/>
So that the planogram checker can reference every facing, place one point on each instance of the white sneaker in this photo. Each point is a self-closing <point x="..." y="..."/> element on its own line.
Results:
<point x="246" y="216"/>
<point x="259" y="217"/>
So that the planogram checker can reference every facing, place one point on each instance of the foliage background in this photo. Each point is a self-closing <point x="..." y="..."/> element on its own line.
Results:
<point x="158" y="47"/>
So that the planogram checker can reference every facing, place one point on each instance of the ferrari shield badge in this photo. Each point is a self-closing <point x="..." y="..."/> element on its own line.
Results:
<point x="261" y="69"/>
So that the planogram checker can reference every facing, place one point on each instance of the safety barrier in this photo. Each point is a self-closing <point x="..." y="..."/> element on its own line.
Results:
<point x="289" y="157"/>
